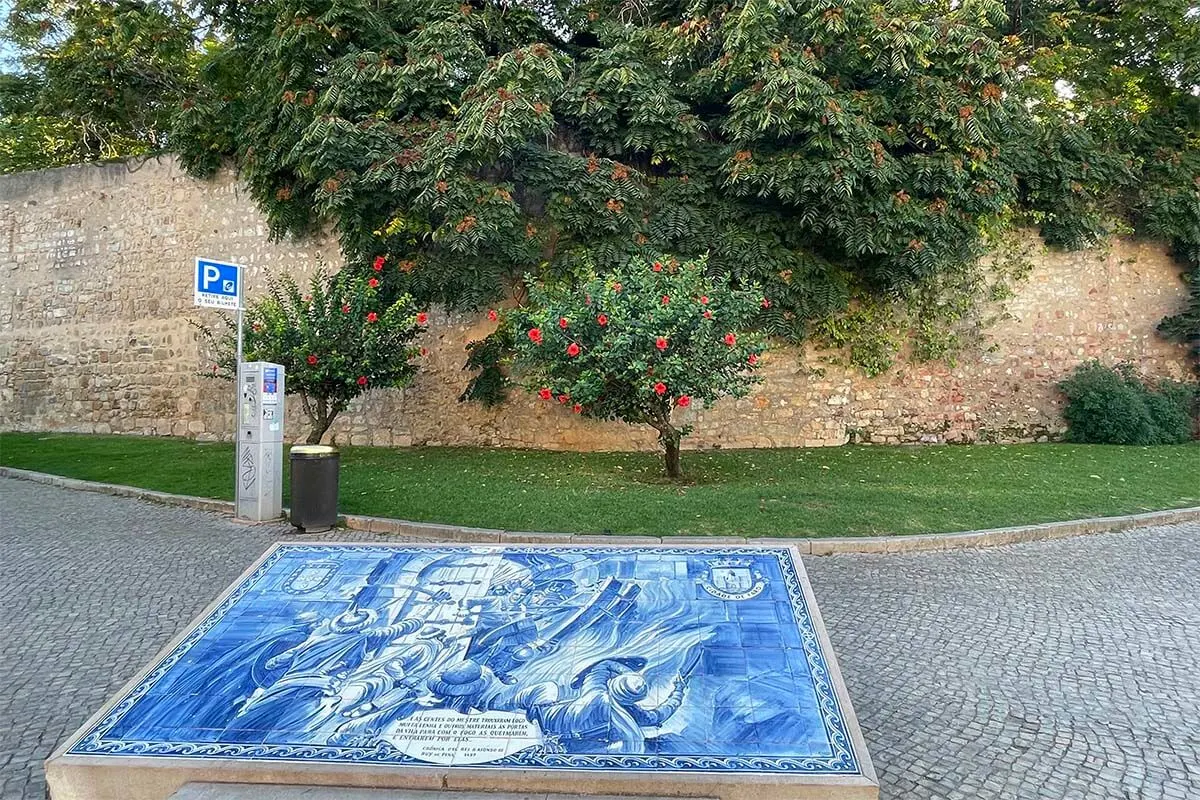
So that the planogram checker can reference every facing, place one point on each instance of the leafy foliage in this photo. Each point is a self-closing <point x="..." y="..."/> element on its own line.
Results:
<point x="937" y="320"/>
<point x="334" y="343"/>
<point x="29" y="140"/>
<point x="803" y="148"/>
<point x="486" y="358"/>
<point x="825" y="151"/>
<point x="648" y="338"/>
<point x="1112" y="406"/>
<point x="99" y="80"/>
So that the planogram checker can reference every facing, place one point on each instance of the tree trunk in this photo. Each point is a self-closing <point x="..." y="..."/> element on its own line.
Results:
<point x="671" y="447"/>
<point x="668" y="438"/>
<point x="317" y="431"/>
<point x="320" y="417"/>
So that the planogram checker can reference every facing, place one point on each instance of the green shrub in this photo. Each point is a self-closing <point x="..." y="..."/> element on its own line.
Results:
<point x="335" y="342"/>
<point x="1108" y="405"/>
<point x="1172" y="408"/>
<point x="639" y="343"/>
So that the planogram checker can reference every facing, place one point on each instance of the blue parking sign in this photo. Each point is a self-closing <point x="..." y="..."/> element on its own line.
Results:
<point x="217" y="283"/>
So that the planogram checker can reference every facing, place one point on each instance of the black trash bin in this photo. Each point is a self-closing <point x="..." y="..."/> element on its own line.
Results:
<point x="314" y="487"/>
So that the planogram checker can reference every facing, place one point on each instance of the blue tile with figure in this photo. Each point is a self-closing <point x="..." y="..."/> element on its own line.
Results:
<point x="663" y="658"/>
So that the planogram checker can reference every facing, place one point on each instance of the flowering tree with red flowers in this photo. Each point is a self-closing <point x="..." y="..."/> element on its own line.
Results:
<point x="639" y="343"/>
<point x="335" y="342"/>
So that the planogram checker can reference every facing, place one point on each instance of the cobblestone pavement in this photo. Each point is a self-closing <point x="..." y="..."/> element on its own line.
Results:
<point x="1065" y="669"/>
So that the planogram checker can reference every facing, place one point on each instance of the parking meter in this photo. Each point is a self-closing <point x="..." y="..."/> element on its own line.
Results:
<point x="260" y="441"/>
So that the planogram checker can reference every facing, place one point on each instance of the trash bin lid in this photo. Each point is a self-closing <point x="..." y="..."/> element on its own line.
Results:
<point x="313" y="450"/>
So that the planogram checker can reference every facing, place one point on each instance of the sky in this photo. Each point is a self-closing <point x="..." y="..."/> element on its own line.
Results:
<point x="7" y="53"/>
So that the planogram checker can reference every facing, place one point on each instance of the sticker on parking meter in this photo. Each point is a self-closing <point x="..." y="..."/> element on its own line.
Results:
<point x="270" y="386"/>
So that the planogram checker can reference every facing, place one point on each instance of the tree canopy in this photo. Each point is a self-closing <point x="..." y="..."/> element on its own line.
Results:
<point x="812" y="150"/>
<point x="819" y="149"/>
<point x="96" y="80"/>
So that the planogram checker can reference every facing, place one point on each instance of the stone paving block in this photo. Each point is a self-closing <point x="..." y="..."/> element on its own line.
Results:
<point x="616" y="541"/>
<point x="379" y="525"/>
<point x="803" y="546"/>
<point x="436" y="532"/>
<point x="481" y="535"/>
<point x="719" y="540"/>
<point x="1010" y="670"/>
<point x="864" y="544"/>
<point x="524" y="537"/>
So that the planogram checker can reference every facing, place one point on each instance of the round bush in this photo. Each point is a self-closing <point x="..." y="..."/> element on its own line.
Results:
<point x="1111" y="406"/>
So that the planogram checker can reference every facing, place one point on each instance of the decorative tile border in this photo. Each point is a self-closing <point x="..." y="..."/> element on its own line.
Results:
<point x="817" y="546"/>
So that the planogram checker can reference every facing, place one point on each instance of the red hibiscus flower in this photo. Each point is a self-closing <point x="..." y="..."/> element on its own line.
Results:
<point x="616" y="287"/>
<point x="703" y="299"/>
<point x="661" y="343"/>
<point x="766" y="303"/>
<point x="730" y="339"/>
<point x="564" y="399"/>
<point x="572" y="349"/>
<point x="378" y="265"/>
<point x="492" y="315"/>
<point x="422" y="318"/>
<point x="373" y="283"/>
<point x="660" y="388"/>
<point x="578" y="409"/>
<point x="535" y="335"/>
<point x="545" y="394"/>
<point x="657" y="266"/>
<point x="312" y="360"/>
<point x="707" y="314"/>
<point x="362" y="380"/>
<point x="666" y="299"/>
<point x="684" y="401"/>
<point x="345" y="309"/>
<point x="753" y="359"/>
<point x="602" y="319"/>
<point x="562" y="323"/>
<point x="372" y="317"/>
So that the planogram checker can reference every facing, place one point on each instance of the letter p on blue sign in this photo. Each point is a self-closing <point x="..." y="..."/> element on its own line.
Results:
<point x="217" y="283"/>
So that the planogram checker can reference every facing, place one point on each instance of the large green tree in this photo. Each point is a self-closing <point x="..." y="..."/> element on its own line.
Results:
<point x="94" y="79"/>
<point x="822" y="149"/>
<point x="814" y="149"/>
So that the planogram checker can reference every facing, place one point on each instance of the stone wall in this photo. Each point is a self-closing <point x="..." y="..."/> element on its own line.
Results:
<point x="95" y="309"/>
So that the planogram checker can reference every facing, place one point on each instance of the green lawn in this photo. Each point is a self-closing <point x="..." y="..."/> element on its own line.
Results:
<point x="804" y="492"/>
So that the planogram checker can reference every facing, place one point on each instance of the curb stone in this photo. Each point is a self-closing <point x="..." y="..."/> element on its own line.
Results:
<point x="992" y="537"/>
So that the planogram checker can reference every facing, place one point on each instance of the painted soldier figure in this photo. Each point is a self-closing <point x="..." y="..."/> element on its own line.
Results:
<point x="607" y="715"/>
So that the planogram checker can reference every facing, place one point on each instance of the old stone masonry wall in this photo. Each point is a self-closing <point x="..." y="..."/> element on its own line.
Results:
<point x="96" y="268"/>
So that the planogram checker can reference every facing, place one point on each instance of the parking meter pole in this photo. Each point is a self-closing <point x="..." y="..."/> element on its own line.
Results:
<point x="237" y="407"/>
<point x="220" y="284"/>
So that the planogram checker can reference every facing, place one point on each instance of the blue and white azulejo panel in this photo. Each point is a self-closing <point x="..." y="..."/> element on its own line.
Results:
<point x="606" y="658"/>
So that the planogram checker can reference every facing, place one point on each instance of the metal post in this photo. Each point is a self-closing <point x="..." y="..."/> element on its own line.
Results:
<point x="237" y="402"/>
